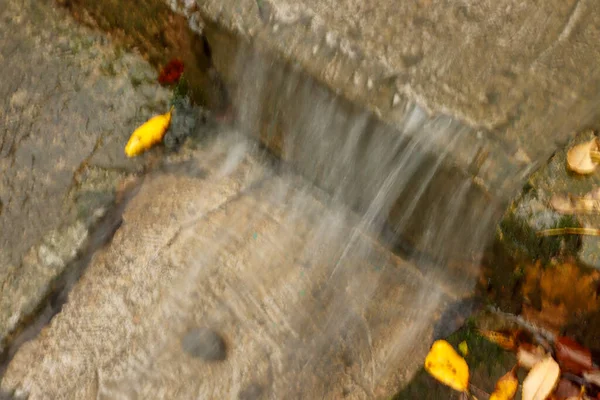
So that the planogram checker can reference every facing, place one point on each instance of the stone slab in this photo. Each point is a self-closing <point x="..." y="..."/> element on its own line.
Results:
<point x="67" y="96"/>
<point x="298" y="300"/>
<point x="522" y="77"/>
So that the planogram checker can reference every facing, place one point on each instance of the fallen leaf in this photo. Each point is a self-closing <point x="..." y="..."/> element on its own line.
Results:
<point x="566" y="390"/>
<point x="447" y="366"/>
<point x="529" y="355"/>
<point x="463" y="348"/>
<point x="569" y="231"/>
<point x="505" y="340"/>
<point x="541" y="380"/>
<point x="572" y="356"/>
<point x="148" y="134"/>
<point x="580" y="160"/>
<point x="171" y="72"/>
<point x="506" y="387"/>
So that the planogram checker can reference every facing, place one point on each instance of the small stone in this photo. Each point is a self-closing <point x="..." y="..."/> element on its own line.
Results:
<point x="204" y="343"/>
<point x="254" y="391"/>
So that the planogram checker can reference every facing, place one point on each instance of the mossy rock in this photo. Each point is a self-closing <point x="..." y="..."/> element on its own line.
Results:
<point x="536" y="275"/>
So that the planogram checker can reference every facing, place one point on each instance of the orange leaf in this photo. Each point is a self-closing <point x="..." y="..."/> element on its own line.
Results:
<point x="506" y="341"/>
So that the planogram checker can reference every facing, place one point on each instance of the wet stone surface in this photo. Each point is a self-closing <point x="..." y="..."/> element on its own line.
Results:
<point x="308" y="305"/>
<point x="68" y="101"/>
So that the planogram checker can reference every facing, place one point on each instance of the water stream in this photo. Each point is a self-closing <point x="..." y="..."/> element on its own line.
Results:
<point x="328" y="276"/>
<point x="296" y="275"/>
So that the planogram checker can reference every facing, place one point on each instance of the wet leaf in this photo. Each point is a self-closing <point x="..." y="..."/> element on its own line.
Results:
<point x="541" y="380"/>
<point x="572" y="356"/>
<point x="506" y="387"/>
<point x="528" y="355"/>
<point x="579" y="158"/>
<point x="171" y="72"/>
<point x="569" y="231"/>
<point x="505" y="340"/>
<point x="447" y="366"/>
<point x="148" y="134"/>
<point x="463" y="348"/>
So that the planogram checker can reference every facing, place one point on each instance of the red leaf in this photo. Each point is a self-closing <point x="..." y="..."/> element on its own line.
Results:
<point x="171" y="72"/>
<point x="572" y="356"/>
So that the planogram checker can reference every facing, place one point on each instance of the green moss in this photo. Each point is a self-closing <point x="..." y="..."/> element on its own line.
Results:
<point x="181" y="91"/>
<point x="519" y="234"/>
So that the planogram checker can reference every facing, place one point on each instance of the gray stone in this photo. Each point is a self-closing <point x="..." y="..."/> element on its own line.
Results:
<point x="66" y="101"/>
<point x="204" y="343"/>
<point x="253" y="391"/>
<point x="512" y="72"/>
<point x="309" y="304"/>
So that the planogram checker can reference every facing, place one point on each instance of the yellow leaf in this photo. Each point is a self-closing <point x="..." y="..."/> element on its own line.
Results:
<point x="506" y="387"/>
<point x="582" y="157"/>
<point x="447" y="366"/>
<point x="463" y="348"/>
<point x="541" y="380"/>
<point x="148" y="134"/>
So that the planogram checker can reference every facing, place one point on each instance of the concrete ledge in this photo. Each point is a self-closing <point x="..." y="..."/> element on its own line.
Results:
<point x="522" y="77"/>
<point x="428" y="74"/>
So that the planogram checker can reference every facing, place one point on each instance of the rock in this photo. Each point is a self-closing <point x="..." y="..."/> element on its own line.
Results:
<point x="184" y="121"/>
<point x="204" y="343"/>
<point x="254" y="391"/>
<point x="68" y="106"/>
<point x="478" y="104"/>
<point x="552" y="280"/>
<point x="309" y="304"/>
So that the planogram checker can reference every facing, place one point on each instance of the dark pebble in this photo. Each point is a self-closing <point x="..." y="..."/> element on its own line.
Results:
<point x="204" y="343"/>
<point x="253" y="391"/>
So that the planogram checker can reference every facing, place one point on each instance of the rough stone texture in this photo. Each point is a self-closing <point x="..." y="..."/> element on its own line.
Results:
<point x="68" y="100"/>
<point x="308" y="305"/>
<point x="522" y="76"/>
<point x="159" y="35"/>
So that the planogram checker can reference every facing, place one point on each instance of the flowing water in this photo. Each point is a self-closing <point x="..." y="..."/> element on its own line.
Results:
<point x="320" y="307"/>
<point x="328" y="276"/>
